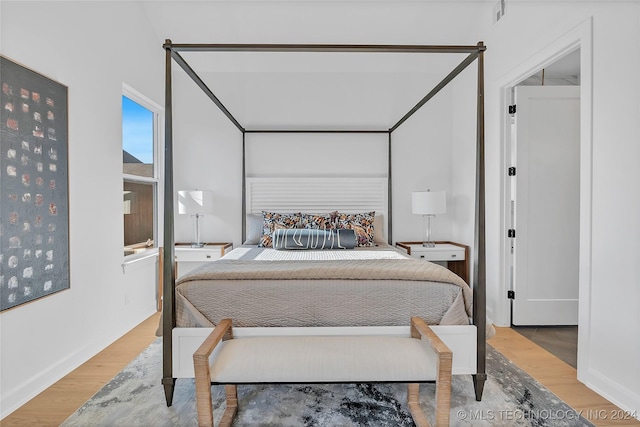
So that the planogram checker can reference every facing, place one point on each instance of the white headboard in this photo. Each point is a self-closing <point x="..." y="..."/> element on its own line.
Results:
<point x="319" y="195"/>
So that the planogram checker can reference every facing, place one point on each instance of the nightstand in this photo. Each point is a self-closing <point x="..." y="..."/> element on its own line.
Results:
<point x="454" y="256"/>
<point x="188" y="258"/>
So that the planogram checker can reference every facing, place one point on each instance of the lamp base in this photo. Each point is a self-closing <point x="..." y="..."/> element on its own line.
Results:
<point x="196" y="243"/>
<point x="427" y="242"/>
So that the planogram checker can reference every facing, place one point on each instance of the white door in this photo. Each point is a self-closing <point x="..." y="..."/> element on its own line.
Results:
<point x="547" y="205"/>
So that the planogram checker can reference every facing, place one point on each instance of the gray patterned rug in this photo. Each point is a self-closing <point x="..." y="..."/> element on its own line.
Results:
<point x="135" y="397"/>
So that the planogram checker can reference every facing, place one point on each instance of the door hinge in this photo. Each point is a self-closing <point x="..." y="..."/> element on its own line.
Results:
<point x="512" y="109"/>
<point x="512" y="171"/>
<point x="511" y="294"/>
<point x="511" y="233"/>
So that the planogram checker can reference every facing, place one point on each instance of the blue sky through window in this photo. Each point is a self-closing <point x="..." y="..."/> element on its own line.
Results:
<point x="137" y="130"/>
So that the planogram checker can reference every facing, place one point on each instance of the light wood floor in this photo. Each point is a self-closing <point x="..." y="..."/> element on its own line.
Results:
<point x="559" y="377"/>
<point x="59" y="401"/>
<point x="562" y="341"/>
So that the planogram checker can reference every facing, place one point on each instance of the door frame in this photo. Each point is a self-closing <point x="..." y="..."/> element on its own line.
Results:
<point x="580" y="37"/>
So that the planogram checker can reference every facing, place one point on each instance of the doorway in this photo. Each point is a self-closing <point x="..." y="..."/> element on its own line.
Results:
<point x="544" y="207"/>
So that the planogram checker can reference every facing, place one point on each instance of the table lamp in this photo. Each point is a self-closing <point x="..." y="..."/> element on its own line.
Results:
<point x="428" y="204"/>
<point x="195" y="203"/>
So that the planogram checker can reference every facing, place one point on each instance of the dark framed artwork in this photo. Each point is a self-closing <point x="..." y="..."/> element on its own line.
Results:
<point x="34" y="206"/>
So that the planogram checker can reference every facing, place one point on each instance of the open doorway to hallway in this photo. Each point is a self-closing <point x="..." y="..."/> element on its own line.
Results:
<point x="561" y="341"/>
<point x="544" y="188"/>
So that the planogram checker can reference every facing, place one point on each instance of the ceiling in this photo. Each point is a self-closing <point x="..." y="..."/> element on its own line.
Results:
<point x="271" y="90"/>
<point x="321" y="90"/>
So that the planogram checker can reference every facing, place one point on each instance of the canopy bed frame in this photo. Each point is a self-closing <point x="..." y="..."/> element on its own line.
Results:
<point x="172" y="53"/>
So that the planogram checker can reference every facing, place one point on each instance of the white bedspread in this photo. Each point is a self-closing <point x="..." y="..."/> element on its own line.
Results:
<point x="269" y="254"/>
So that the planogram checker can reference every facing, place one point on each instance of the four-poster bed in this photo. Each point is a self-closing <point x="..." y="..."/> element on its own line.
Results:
<point x="474" y="53"/>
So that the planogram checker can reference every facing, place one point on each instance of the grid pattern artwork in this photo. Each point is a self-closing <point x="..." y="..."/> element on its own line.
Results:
<point x="34" y="219"/>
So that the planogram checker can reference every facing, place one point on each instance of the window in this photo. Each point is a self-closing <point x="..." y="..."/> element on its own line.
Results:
<point x="140" y="119"/>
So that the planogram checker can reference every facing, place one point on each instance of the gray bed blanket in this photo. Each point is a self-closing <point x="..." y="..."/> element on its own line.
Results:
<point x="347" y="292"/>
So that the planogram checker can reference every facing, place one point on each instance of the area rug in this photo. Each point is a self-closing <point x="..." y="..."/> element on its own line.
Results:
<point x="135" y="397"/>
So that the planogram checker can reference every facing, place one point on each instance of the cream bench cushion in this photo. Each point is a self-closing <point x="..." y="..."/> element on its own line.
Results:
<point x="323" y="359"/>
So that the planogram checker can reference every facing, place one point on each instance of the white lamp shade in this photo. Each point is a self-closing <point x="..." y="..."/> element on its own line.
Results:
<point x="428" y="202"/>
<point x="191" y="202"/>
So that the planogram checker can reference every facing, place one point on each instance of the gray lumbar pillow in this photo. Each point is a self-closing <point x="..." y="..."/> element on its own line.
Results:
<point x="309" y="238"/>
<point x="254" y="229"/>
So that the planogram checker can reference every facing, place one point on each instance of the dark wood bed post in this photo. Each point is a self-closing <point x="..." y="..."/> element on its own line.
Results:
<point x="244" y="187"/>
<point x="389" y="200"/>
<point x="168" y="276"/>
<point x="479" y="265"/>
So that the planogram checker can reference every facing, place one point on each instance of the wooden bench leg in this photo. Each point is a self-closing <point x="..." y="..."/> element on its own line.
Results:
<point x="419" y="329"/>
<point x="443" y="393"/>
<point x="413" y="400"/>
<point x="443" y="404"/>
<point x="232" y="405"/>
<point x="203" y="402"/>
<point x="203" y="379"/>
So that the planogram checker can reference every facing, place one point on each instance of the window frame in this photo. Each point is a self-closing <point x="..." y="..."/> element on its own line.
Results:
<point x="157" y="179"/>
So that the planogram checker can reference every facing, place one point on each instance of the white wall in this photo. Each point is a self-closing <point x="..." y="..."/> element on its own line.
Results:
<point x="421" y="155"/>
<point x="609" y="333"/>
<point x="317" y="155"/>
<point x="92" y="48"/>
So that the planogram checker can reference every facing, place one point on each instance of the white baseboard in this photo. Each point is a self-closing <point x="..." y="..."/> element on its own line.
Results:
<point x="40" y="381"/>
<point x="11" y="400"/>
<point x="627" y="400"/>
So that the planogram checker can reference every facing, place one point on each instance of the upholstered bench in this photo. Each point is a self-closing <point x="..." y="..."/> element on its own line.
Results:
<point x="423" y="357"/>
